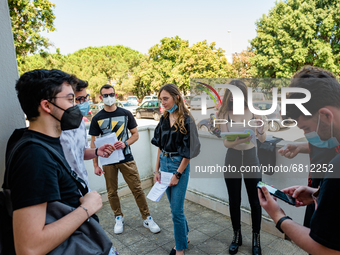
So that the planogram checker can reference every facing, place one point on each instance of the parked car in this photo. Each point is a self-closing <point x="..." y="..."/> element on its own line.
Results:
<point x="187" y="100"/>
<point x="87" y="122"/>
<point x="274" y="124"/>
<point x="259" y="96"/>
<point x="195" y="103"/>
<point x="89" y="115"/>
<point x="150" y="109"/>
<point x="94" y="109"/>
<point x="148" y="98"/>
<point x="218" y="104"/>
<point x="129" y="105"/>
<point x="119" y="103"/>
<point x="133" y="99"/>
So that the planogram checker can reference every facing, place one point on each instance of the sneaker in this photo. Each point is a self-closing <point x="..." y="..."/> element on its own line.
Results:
<point x="150" y="224"/>
<point x="118" y="229"/>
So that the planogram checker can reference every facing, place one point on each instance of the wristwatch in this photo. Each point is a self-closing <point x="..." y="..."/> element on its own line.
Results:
<point x="126" y="144"/>
<point x="178" y="175"/>
<point x="278" y="224"/>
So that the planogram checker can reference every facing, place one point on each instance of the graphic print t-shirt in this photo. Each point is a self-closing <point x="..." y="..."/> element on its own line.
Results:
<point x="119" y="122"/>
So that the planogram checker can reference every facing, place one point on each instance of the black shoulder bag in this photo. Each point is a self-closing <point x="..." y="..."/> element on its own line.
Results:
<point x="89" y="238"/>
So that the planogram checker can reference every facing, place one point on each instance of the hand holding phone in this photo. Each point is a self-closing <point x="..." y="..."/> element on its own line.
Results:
<point x="277" y="193"/>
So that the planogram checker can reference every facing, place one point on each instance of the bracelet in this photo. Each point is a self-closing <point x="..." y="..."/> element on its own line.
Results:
<point x="278" y="224"/>
<point x="157" y="172"/>
<point x="96" y="152"/>
<point x="87" y="211"/>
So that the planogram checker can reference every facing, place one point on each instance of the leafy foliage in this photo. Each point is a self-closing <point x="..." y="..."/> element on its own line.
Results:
<point x="173" y="61"/>
<point x="296" y="33"/>
<point x="29" y="18"/>
<point x="97" y="65"/>
<point x="241" y="63"/>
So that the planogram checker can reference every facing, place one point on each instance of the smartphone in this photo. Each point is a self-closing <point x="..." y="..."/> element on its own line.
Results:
<point x="277" y="193"/>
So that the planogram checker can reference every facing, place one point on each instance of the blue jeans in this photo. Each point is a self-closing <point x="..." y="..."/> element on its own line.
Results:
<point x="176" y="196"/>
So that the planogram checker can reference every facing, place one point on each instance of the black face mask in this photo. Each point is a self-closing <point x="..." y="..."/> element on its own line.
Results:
<point x="71" y="118"/>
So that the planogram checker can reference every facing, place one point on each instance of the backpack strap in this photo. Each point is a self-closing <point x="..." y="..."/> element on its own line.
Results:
<point x="56" y="155"/>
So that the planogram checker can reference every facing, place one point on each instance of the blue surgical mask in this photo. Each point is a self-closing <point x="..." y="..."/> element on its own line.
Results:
<point x="314" y="139"/>
<point x="173" y="108"/>
<point x="84" y="108"/>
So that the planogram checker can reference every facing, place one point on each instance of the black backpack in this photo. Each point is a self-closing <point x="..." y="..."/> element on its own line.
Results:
<point x="6" y="231"/>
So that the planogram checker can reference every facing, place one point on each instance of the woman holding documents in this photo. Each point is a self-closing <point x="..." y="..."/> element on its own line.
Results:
<point x="242" y="153"/>
<point x="177" y="141"/>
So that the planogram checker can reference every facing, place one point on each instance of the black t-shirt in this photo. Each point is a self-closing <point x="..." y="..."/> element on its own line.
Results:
<point x="319" y="156"/>
<point x="35" y="177"/>
<point x="168" y="139"/>
<point x="118" y="121"/>
<point x="325" y="222"/>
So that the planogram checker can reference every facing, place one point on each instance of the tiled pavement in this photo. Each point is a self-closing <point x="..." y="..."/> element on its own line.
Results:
<point x="210" y="231"/>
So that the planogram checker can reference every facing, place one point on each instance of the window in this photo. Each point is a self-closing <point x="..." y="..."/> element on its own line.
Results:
<point x="152" y="104"/>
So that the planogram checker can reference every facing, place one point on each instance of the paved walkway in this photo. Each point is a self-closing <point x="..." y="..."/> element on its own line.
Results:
<point x="210" y="231"/>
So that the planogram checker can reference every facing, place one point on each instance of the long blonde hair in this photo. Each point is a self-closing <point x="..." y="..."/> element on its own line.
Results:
<point x="181" y="110"/>
<point x="225" y="108"/>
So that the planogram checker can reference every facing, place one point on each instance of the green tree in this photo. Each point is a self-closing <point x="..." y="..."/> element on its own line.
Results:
<point x="173" y="61"/>
<point x="29" y="18"/>
<point x="41" y="60"/>
<point x="296" y="33"/>
<point x="241" y="63"/>
<point x="101" y="65"/>
<point x="98" y="65"/>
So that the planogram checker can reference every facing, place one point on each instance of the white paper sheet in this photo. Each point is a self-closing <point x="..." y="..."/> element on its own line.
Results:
<point x="157" y="192"/>
<point x="158" y="189"/>
<point x="116" y="155"/>
<point x="166" y="178"/>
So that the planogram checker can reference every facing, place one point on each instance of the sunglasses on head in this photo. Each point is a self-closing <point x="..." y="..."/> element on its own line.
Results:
<point x="82" y="99"/>
<point x="107" y="95"/>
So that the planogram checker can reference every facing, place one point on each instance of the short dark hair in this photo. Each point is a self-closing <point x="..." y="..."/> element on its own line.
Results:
<point x="324" y="89"/>
<point x="106" y="86"/>
<point x="81" y="85"/>
<point x="40" y="84"/>
<point x="313" y="72"/>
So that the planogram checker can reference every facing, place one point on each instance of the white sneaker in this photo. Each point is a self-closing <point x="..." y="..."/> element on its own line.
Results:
<point x="150" y="224"/>
<point x="118" y="229"/>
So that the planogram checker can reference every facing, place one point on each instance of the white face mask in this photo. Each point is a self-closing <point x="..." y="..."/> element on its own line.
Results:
<point x="109" y="100"/>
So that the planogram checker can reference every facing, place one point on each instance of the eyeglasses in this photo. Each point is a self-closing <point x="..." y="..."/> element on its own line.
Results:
<point x="69" y="97"/>
<point x="107" y="95"/>
<point x="82" y="99"/>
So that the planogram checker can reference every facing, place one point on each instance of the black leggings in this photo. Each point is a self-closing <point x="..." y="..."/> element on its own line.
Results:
<point x="234" y="182"/>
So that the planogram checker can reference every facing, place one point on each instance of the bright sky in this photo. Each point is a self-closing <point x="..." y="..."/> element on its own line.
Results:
<point x="142" y="24"/>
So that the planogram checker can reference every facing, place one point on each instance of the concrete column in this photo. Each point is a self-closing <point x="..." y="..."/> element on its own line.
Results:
<point x="11" y="115"/>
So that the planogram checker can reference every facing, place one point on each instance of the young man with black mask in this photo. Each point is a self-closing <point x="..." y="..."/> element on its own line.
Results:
<point x="35" y="177"/>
